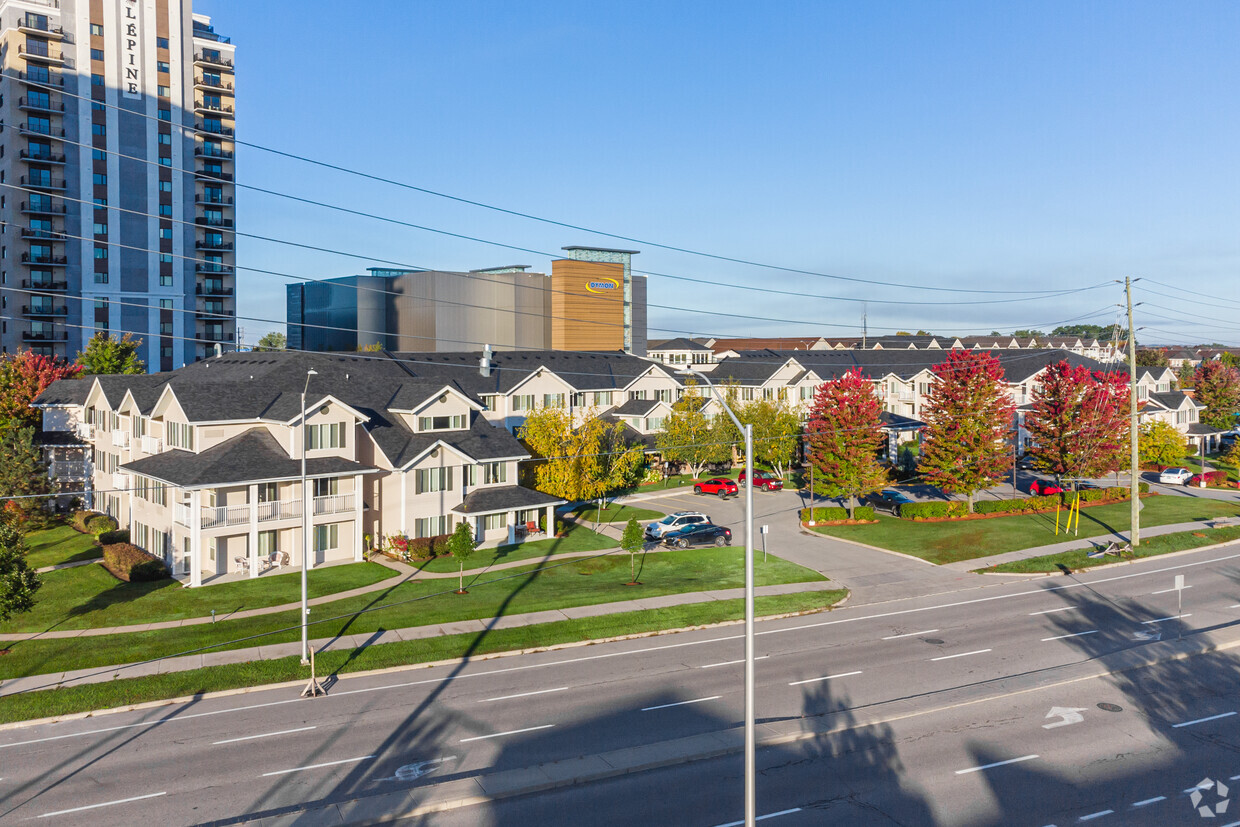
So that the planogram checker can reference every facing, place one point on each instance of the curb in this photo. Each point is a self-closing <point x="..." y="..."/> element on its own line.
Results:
<point x="1168" y="555"/>
<point x="391" y="670"/>
<point x="899" y="554"/>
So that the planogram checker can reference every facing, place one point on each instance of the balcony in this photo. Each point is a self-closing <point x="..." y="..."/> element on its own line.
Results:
<point x="40" y="131"/>
<point x="69" y="469"/>
<point x="217" y="336"/>
<point x="40" y="53"/>
<point x="40" y="29"/>
<point x="45" y="336"/>
<point x="215" y="175"/>
<point x="218" y="84"/>
<point x="49" y="286"/>
<point x="41" y="208"/>
<point x="85" y="431"/>
<point x="204" y="151"/>
<point x="214" y="130"/>
<point x="209" y="313"/>
<point x="211" y="108"/>
<point x="212" y="245"/>
<point x="218" y="200"/>
<point x="282" y="510"/>
<point x="206" y="59"/>
<point x="45" y="261"/>
<point x="152" y="445"/>
<point x="50" y="80"/>
<point x="336" y="504"/>
<point x="39" y="105"/>
<point x="43" y="183"/>
<point x="203" y="221"/>
<point x="45" y="311"/>
<point x="209" y="267"/>
<point x="120" y="439"/>
<point x="120" y="481"/>
<point x="46" y="235"/>
<point x="225" y="515"/>
<point x="40" y="157"/>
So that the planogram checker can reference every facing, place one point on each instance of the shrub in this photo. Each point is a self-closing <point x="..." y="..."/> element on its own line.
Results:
<point x="99" y="524"/>
<point x="864" y="512"/>
<point x="81" y="518"/>
<point x="132" y="564"/>
<point x="921" y="511"/>
<point x="828" y="513"/>
<point x="1143" y="488"/>
<point x="560" y="527"/>
<point x="439" y="545"/>
<point x="1216" y="477"/>
<point x="107" y="538"/>
<point x="420" y="548"/>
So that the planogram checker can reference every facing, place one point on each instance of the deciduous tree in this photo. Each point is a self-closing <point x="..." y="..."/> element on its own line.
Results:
<point x="23" y="376"/>
<point x="23" y="474"/>
<point x="776" y="432"/>
<point x="843" y="438"/>
<point x="632" y="541"/>
<point x="690" y="436"/>
<point x="1217" y="386"/>
<point x="581" y="463"/>
<point x="18" y="582"/>
<point x="274" y="340"/>
<point x="1160" y="444"/>
<point x="968" y="416"/>
<point x="105" y="354"/>
<point x="1079" y="421"/>
<point x="462" y="546"/>
<point x="1152" y="357"/>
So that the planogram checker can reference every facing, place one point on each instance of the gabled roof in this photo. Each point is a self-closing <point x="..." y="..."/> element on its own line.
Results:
<point x="65" y="392"/>
<point x="678" y="344"/>
<point x="1173" y="400"/>
<point x="1018" y="365"/>
<point x="504" y="498"/>
<point x="636" y="407"/>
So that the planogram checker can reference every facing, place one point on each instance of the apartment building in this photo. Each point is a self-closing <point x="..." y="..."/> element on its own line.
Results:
<point x="116" y="178"/>
<point x="1090" y="348"/>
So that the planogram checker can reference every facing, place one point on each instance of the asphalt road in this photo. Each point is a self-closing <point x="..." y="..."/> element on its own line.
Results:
<point x="922" y="689"/>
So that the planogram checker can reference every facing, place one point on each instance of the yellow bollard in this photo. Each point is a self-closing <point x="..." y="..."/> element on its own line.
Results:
<point x="1057" y="504"/>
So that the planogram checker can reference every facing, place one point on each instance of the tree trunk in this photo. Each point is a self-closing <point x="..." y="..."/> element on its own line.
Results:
<point x="969" y="500"/>
<point x="852" y="506"/>
<point x="461" y="586"/>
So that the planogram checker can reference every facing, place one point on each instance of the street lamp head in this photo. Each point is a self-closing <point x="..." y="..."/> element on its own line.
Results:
<point x="312" y="372"/>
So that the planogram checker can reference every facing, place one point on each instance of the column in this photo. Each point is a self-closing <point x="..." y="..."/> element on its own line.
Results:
<point x="359" y="510"/>
<point x="512" y="528"/>
<point x="195" y="523"/>
<point x="551" y="521"/>
<point x="404" y="503"/>
<point x="252" y="496"/>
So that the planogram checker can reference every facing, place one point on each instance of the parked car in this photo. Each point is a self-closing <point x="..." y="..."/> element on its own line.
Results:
<point x="1044" y="488"/>
<point x="702" y="534"/>
<point x="889" y="499"/>
<point x="1084" y="485"/>
<point x="720" y="486"/>
<point x="1175" y="476"/>
<point x="675" y="522"/>
<point x="1025" y="462"/>
<point x="762" y="480"/>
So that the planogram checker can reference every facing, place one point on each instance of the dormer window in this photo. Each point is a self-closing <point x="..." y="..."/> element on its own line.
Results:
<point x="327" y="435"/>
<point x="455" y="422"/>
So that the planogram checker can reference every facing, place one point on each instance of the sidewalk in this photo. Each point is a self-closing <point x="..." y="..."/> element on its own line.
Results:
<point x="1069" y="545"/>
<point x="282" y="650"/>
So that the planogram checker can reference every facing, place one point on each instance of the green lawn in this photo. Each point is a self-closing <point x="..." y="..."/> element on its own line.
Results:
<point x="615" y="513"/>
<point x="574" y="583"/>
<point x="948" y="542"/>
<point x="1150" y="547"/>
<point x="61" y="544"/>
<point x="88" y="597"/>
<point x="577" y="538"/>
<point x="179" y="684"/>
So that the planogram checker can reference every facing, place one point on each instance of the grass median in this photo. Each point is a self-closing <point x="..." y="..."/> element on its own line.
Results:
<point x="951" y="541"/>
<point x="59" y="545"/>
<point x="1150" y="547"/>
<point x="576" y="538"/>
<point x="614" y="513"/>
<point x="419" y="603"/>
<point x="126" y="691"/>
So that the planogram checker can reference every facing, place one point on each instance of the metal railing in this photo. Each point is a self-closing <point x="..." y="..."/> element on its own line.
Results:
<point x="279" y="510"/>
<point x="335" y="504"/>
<point x="225" y="515"/>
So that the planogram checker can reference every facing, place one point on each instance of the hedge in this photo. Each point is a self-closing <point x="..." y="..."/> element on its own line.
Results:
<point x="829" y="513"/>
<point x="132" y="564"/>
<point x="100" y="524"/>
<point x="107" y="538"/>
<point x="1216" y="477"/>
<point x="81" y="518"/>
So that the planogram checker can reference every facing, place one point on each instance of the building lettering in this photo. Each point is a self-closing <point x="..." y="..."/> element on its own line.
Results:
<point x="132" y="58"/>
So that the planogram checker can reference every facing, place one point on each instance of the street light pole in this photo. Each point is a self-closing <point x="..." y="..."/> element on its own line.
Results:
<point x="750" y="749"/>
<point x="305" y="528"/>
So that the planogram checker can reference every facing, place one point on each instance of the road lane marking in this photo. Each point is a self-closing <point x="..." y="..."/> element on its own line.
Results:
<point x="996" y="764"/>
<point x="1098" y="814"/>
<point x="681" y="703"/>
<point x="500" y="734"/>
<point x="523" y="694"/>
<point x="1154" y="800"/>
<point x="318" y="766"/>
<point x="264" y="735"/>
<point x="1234" y="606"/>
<point x="1074" y="634"/>
<point x="104" y="804"/>
<point x="731" y="662"/>
<point x="1050" y="611"/>
<point x="825" y="678"/>
<point x="741" y="823"/>
<point x="1233" y="778"/>
<point x="1161" y="619"/>
<point x="1202" y="721"/>
<point x="910" y="634"/>
<point x="963" y="654"/>
<point x="1168" y="591"/>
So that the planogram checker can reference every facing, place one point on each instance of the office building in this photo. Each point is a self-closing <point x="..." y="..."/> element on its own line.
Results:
<point x="116" y="173"/>
<point x="591" y="301"/>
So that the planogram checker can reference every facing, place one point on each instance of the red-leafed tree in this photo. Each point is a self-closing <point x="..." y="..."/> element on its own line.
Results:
<point x="1217" y="386"/>
<point x="843" y="438"/>
<point x="1079" y="421"/>
<point x="23" y="376"/>
<point x="968" y="418"/>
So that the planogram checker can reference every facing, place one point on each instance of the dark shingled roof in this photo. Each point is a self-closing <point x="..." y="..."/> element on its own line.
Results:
<point x="1018" y="365"/>
<point x="1202" y="429"/>
<point x="895" y="422"/>
<point x="678" y="344"/>
<point x="66" y="392"/>
<point x="504" y="498"/>
<point x="1171" y="400"/>
<point x="635" y="407"/>
<point x="248" y="457"/>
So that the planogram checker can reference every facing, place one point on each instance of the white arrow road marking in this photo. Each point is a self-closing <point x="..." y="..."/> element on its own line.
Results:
<point x="1070" y="715"/>
<point x="1147" y="636"/>
<point x="412" y="772"/>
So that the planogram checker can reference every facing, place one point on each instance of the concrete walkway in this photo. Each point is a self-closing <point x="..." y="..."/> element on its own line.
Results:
<point x="1070" y="545"/>
<point x="72" y="565"/>
<point x="282" y="650"/>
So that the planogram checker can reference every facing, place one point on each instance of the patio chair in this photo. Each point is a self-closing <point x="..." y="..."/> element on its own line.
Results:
<point x="531" y="528"/>
<point x="243" y="562"/>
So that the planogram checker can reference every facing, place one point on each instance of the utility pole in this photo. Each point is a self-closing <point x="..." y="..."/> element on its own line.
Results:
<point x="1135" y="491"/>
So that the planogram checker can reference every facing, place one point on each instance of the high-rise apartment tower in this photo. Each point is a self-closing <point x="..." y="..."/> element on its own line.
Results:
<point x="116" y="171"/>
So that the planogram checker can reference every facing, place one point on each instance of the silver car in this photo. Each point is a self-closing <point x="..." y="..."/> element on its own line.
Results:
<point x="675" y="522"/>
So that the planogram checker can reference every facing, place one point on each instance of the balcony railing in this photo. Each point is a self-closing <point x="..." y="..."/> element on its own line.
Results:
<point x="45" y="235"/>
<point x="48" y="208"/>
<point x="212" y="60"/>
<point x="40" y="28"/>
<point x="282" y="510"/>
<point x="85" y="431"/>
<point x="43" y="183"/>
<point x="211" y="107"/>
<point x="45" y="336"/>
<point x="48" y="310"/>
<point x="40" y="53"/>
<point x="217" y="336"/>
<point x="50" y="80"/>
<point x="214" y="267"/>
<point x="222" y="200"/>
<point x="225" y="515"/>
<point x="40" y="157"/>
<point x="214" y="174"/>
<point x="211" y="152"/>
<point x="213" y="290"/>
<point x="335" y="504"/>
<point x="180" y="514"/>
<point x="213" y="129"/>
<point x="212" y="83"/>
<point x="152" y="445"/>
<point x="69" y="469"/>
<point x="40" y="130"/>
<point x="203" y="221"/>
<point x="213" y="245"/>
<point x="49" y="286"/>
<point x="33" y="104"/>
<point x="120" y="481"/>
<point x="52" y="261"/>
<point x="120" y="438"/>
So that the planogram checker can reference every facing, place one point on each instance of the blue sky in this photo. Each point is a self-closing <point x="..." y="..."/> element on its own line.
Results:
<point x="988" y="146"/>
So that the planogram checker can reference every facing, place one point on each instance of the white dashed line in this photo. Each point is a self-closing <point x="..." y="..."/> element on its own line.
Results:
<point x="996" y="764"/>
<point x="1075" y="634"/>
<point x="1050" y="611"/>
<point x="910" y="634"/>
<point x="523" y="695"/>
<point x="1098" y="814"/>
<point x="1154" y="800"/>
<point x="731" y="662"/>
<point x="1161" y="619"/>
<point x="104" y="804"/>
<point x="681" y="703"/>
<point x="963" y="654"/>
<point x="762" y="817"/>
<point x="265" y="735"/>
<point x="1202" y="721"/>
<point x="1168" y="591"/>
<point x="499" y="734"/>
<point x="826" y="678"/>
<point x="318" y="766"/>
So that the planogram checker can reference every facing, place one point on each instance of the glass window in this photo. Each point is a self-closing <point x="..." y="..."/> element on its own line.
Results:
<point x="101" y="253"/>
<point x="98" y="129"/>
<point x="165" y="232"/>
<point x="162" y="66"/>
<point x="165" y="258"/>
<point x="165" y="281"/>
<point x="161" y="42"/>
<point x="101" y="278"/>
<point x="165" y="186"/>
<point x="327" y="487"/>
<point x="101" y="229"/>
<point x="101" y="202"/>
<point x="99" y="155"/>
<point x="441" y="423"/>
<point x="96" y="54"/>
<point x="165" y="304"/>
<point x="165" y="114"/>
<point x="427" y="480"/>
<point x="326" y="537"/>
<point x="326" y="436"/>
<point x="96" y="28"/>
<point x="96" y="80"/>
<point x="163" y="91"/>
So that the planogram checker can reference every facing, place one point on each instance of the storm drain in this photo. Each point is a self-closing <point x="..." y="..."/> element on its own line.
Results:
<point x="1106" y="707"/>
